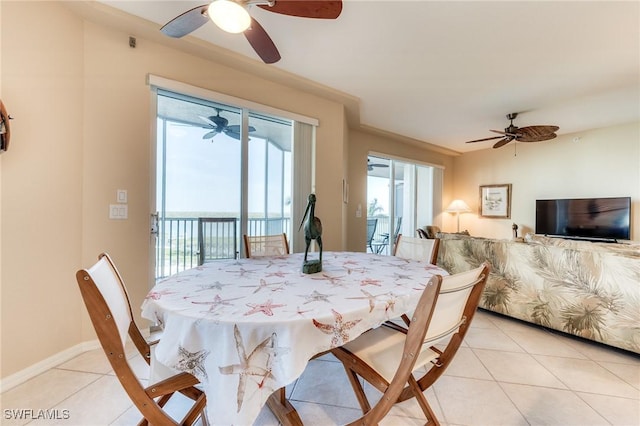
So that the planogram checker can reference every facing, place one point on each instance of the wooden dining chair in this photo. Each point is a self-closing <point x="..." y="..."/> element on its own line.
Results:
<point x="107" y="302"/>
<point x="388" y="356"/>
<point x="417" y="248"/>
<point x="265" y="245"/>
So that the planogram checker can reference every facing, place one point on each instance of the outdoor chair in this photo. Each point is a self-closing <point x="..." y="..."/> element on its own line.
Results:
<point x="380" y="246"/>
<point x="265" y="245"/>
<point x="107" y="302"/>
<point x="387" y="357"/>
<point x="217" y="239"/>
<point x="371" y="231"/>
<point x="417" y="248"/>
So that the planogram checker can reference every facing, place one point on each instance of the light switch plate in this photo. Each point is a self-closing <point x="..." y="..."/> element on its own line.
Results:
<point x="121" y="195"/>
<point x="118" y="211"/>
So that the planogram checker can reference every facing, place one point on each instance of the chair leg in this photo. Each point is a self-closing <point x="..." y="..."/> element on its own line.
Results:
<point x="358" y="390"/>
<point x="422" y="401"/>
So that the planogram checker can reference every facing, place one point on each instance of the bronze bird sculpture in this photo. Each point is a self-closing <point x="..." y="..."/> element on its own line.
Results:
<point x="312" y="227"/>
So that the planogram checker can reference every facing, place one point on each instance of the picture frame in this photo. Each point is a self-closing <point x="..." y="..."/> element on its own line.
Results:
<point x="495" y="201"/>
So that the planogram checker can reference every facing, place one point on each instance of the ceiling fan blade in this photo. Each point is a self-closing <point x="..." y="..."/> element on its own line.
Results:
<point x="513" y="135"/>
<point x="502" y="142"/>
<point x="234" y="135"/>
<point x="485" y="139"/>
<point x="320" y="9"/>
<point x="262" y="43"/>
<point x="235" y="128"/>
<point x="537" y="131"/>
<point x="537" y="138"/>
<point x="209" y="135"/>
<point x="187" y="22"/>
<point x="208" y="121"/>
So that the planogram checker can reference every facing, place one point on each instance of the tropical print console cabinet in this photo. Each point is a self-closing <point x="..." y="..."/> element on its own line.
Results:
<point x="591" y="290"/>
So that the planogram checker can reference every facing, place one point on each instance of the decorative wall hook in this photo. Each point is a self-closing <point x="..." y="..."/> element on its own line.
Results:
<point x="5" y="128"/>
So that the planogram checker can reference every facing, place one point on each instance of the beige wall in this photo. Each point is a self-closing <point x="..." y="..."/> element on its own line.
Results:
<point x="42" y="73"/>
<point x="599" y="163"/>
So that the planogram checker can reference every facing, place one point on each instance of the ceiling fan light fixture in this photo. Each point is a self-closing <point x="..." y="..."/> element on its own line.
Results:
<point x="229" y="16"/>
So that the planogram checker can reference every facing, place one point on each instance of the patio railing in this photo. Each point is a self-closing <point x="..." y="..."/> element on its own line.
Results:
<point x="177" y="241"/>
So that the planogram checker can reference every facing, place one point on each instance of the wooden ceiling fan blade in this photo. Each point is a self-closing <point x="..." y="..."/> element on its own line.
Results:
<point x="513" y="135"/>
<point x="485" y="139"/>
<point x="537" y="131"/>
<point x="319" y="9"/>
<point x="262" y="43"/>
<point x="187" y="22"/>
<point x="537" y="138"/>
<point x="502" y="142"/>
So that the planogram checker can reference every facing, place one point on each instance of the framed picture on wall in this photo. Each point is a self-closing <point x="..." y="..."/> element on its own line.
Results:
<point x="495" y="201"/>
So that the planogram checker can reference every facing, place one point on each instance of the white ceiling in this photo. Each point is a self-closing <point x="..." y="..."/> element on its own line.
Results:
<point x="445" y="72"/>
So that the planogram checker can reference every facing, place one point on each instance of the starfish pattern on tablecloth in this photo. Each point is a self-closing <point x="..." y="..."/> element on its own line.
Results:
<point x="316" y="296"/>
<point x="266" y="308"/>
<point x="192" y="362"/>
<point x="215" y="286"/>
<point x="264" y="284"/>
<point x="370" y="297"/>
<point x="279" y="274"/>
<point x="217" y="302"/>
<point x="334" y="281"/>
<point x="157" y="295"/>
<point x="242" y="272"/>
<point x="370" y="281"/>
<point x="249" y="366"/>
<point x="339" y="329"/>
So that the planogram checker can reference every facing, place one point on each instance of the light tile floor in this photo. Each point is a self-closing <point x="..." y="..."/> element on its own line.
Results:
<point x="506" y="373"/>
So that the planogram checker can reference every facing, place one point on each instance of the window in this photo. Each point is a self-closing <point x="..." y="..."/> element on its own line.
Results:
<point x="217" y="160"/>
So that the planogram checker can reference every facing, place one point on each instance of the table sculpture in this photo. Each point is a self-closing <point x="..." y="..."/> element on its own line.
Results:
<point x="312" y="231"/>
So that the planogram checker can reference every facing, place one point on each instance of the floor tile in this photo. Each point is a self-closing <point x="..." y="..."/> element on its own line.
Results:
<point x="44" y="391"/>
<point x="542" y="342"/>
<point x="618" y="411"/>
<point x="475" y="402"/>
<point x="587" y="376"/>
<point x="513" y="367"/>
<point x="495" y="339"/>
<point x="99" y="403"/>
<point x="466" y="364"/>
<point x="545" y="406"/>
<point x="630" y="373"/>
<point x="325" y="382"/>
<point x="94" y="361"/>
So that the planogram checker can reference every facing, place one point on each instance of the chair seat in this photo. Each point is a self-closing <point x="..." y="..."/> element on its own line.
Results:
<point x="381" y="348"/>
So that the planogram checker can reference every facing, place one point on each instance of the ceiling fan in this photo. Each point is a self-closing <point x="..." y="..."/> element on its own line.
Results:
<point x="219" y="124"/>
<point x="521" y="134"/>
<point x="371" y="165"/>
<point x="233" y="16"/>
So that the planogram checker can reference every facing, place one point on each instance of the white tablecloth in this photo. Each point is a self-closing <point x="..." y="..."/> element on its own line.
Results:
<point x="248" y="327"/>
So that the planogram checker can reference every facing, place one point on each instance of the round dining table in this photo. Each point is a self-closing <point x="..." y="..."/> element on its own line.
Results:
<point x="248" y="327"/>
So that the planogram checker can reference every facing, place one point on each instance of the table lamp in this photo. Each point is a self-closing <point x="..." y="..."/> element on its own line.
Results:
<point x="457" y="207"/>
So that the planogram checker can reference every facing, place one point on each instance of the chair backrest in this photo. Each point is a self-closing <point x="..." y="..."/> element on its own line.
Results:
<point x="105" y="296"/>
<point x="371" y="229"/>
<point x="265" y="245"/>
<point x="417" y="248"/>
<point x="422" y="317"/>
<point x="457" y="302"/>
<point x="217" y="238"/>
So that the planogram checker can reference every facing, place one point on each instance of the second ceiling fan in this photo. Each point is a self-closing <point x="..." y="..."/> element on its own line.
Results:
<point x="233" y="16"/>
<point x="521" y="134"/>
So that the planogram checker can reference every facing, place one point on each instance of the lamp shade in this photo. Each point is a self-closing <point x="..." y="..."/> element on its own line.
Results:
<point x="458" y="206"/>
<point x="229" y="16"/>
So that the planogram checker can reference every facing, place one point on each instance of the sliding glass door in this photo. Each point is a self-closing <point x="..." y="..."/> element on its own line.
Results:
<point x="401" y="197"/>
<point x="221" y="171"/>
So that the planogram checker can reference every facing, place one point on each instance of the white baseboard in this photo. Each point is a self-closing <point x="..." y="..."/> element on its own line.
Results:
<point x="44" y="365"/>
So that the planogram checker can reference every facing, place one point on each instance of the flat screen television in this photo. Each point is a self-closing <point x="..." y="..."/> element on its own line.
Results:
<point x="605" y="219"/>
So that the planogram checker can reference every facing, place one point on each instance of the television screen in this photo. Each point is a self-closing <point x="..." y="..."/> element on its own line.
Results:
<point x="590" y="218"/>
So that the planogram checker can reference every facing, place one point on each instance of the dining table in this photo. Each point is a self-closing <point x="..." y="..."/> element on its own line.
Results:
<point x="246" y="328"/>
